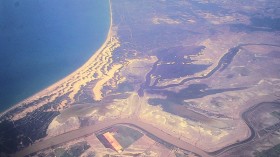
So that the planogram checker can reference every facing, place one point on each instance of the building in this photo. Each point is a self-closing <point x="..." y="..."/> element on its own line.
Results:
<point x="113" y="142"/>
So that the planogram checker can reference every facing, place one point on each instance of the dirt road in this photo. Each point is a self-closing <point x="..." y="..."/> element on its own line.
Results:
<point x="66" y="137"/>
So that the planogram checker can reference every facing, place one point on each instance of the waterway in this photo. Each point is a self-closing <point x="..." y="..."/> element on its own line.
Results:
<point x="43" y="41"/>
<point x="223" y="63"/>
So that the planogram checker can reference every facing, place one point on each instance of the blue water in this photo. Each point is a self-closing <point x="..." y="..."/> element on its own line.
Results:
<point x="42" y="41"/>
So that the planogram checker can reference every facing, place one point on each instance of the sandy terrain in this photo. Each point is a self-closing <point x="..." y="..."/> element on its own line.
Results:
<point x="94" y="128"/>
<point x="99" y="67"/>
<point x="199" y="120"/>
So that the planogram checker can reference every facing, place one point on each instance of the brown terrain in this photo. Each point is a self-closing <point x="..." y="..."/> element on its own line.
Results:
<point x="189" y="73"/>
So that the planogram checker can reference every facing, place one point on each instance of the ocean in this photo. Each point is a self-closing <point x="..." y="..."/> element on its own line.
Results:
<point x="42" y="41"/>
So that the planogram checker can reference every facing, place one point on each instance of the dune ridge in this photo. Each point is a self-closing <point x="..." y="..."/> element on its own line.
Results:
<point x="99" y="67"/>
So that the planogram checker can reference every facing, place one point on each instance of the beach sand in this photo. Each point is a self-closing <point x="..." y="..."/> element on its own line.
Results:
<point x="99" y="67"/>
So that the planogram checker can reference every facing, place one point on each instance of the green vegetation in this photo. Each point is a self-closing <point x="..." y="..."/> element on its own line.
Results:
<point x="126" y="136"/>
<point x="276" y="114"/>
<point x="180" y="155"/>
<point x="272" y="152"/>
<point x="75" y="150"/>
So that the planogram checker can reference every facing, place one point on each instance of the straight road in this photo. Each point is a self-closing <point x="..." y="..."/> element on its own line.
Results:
<point x="72" y="135"/>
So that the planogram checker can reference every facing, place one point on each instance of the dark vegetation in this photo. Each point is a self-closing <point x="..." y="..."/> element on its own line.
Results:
<point x="272" y="152"/>
<point x="21" y="133"/>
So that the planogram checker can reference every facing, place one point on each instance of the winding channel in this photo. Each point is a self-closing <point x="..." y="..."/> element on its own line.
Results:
<point x="250" y="126"/>
<point x="155" y="131"/>
<point x="66" y="137"/>
<point x="85" y="131"/>
<point x="222" y="64"/>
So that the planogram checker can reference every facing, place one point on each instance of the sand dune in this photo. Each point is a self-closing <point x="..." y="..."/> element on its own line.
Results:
<point x="99" y="67"/>
<point x="99" y="63"/>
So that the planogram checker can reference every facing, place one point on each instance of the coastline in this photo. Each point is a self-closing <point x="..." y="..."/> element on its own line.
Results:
<point x="65" y="79"/>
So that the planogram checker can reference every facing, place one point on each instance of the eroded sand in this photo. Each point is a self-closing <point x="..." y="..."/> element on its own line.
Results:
<point x="99" y="67"/>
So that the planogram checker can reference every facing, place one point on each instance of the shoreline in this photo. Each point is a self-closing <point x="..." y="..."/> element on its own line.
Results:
<point x="61" y="81"/>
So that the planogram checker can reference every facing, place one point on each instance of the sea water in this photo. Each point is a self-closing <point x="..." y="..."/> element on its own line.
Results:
<point x="42" y="41"/>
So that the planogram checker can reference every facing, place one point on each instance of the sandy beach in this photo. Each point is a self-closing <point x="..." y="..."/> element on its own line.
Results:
<point x="79" y="77"/>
